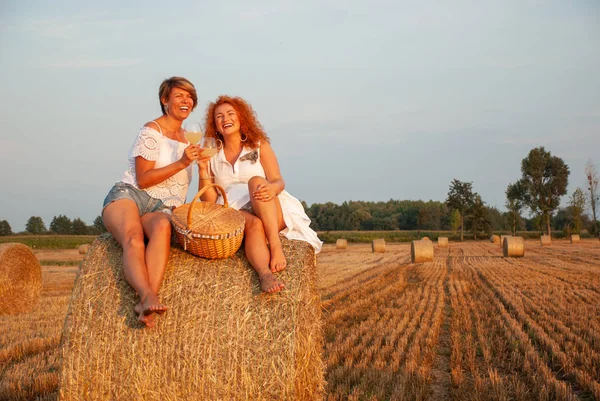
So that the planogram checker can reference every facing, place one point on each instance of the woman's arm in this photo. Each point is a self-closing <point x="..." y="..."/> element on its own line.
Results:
<point x="147" y="176"/>
<point x="271" y="166"/>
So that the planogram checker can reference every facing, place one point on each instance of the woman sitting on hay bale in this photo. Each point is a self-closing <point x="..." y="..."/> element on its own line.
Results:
<point x="247" y="168"/>
<point x="156" y="181"/>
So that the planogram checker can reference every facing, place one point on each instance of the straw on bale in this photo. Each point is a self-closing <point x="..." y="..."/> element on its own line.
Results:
<point x="495" y="239"/>
<point x="20" y="279"/>
<point x="341" y="243"/>
<point x="221" y="339"/>
<point x="545" y="240"/>
<point x="443" y="242"/>
<point x="84" y="248"/>
<point x="513" y="247"/>
<point x="421" y="251"/>
<point x="378" y="245"/>
<point x="575" y="238"/>
<point x="502" y="237"/>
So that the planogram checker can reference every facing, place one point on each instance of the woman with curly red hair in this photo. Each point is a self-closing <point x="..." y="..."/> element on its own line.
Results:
<point x="247" y="168"/>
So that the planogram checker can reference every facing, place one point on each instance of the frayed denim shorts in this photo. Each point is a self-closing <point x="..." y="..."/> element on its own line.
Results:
<point x="145" y="203"/>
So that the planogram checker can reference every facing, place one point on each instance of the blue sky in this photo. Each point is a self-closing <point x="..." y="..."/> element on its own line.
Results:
<point x="362" y="100"/>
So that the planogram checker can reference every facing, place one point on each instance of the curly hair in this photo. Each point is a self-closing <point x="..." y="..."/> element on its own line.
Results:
<point x="250" y="127"/>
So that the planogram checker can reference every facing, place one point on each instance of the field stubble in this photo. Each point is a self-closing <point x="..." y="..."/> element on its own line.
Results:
<point x="470" y="325"/>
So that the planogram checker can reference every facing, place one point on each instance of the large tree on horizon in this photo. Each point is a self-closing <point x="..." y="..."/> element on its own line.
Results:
<point x="544" y="179"/>
<point x="515" y="195"/>
<point x="35" y="225"/>
<point x="461" y="198"/>
<point x="591" y="174"/>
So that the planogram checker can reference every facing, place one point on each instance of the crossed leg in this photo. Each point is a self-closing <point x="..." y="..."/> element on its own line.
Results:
<point x="143" y="266"/>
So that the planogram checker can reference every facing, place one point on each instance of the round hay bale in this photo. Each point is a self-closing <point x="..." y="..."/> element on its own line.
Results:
<point x="545" y="240"/>
<point x="425" y="238"/>
<point x="443" y="242"/>
<point x="502" y="237"/>
<point x="495" y="239"/>
<point x="575" y="238"/>
<point x="20" y="279"/>
<point x="378" y="245"/>
<point x="84" y="248"/>
<point x="221" y="339"/>
<point x="421" y="251"/>
<point x="341" y="243"/>
<point x="513" y="247"/>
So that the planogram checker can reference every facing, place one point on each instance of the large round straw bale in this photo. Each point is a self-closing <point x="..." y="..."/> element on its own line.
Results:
<point x="443" y="242"/>
<point x="378" y="245"/>
<point x="84" y="248"/>
<point x="221" y="339"/>
<point x="341" y="243"/>
<point x="513" y="247"/>
<point x="20" y="279"/>
<point x="545" y="240"/>
<point x="502" y="237"/>
<point x="575" y="238"/>
<point x="421" y="251"/>
<point x="495" y="239"/>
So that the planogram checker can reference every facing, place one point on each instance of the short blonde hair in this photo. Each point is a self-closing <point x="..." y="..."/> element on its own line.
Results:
<point x="164" y="91"/>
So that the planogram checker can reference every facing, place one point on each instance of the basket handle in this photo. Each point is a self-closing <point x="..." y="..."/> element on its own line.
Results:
<point x="203" y="190"/>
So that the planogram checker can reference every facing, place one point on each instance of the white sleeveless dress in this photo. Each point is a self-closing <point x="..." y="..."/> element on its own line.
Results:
<point x="234" y="180"/>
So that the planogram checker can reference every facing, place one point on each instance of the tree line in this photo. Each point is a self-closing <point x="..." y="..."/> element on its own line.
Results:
<point x="60" y="225"/>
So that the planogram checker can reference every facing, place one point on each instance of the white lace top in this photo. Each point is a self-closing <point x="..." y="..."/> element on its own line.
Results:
<point x="152" y="145"/>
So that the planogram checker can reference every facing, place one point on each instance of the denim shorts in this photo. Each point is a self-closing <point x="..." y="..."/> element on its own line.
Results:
<point x="144" y="202"/>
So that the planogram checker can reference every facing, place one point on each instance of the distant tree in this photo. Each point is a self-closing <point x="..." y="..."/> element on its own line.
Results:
<point x="515" y="202"/>
<point x="5" y="228"/>
<point x="577" y="203"/>
<point x="477" y="216"/>
<point x="545" y="179"/>
<point x="35" y="225"/>
<point x="99" y="224"/>
<point x="61" y="225"/>
<point x="461" y="198"/>
<point x="593" y="179"/>
<point x="455" y="220"/>
<point x="78" y="227"/>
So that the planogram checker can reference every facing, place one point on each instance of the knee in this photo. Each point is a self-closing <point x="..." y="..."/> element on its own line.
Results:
<point x="162" y="227"/>
<point x="254" y="182"/>
<point x="254" y="224"/>
<point x="135" y="240"/>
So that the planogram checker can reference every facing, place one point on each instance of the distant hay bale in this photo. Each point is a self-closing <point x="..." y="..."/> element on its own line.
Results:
<point x="378" y="245"/>
<point x="20" y="279"/>
<point x="513" y="247"/>
<point x="443" y="242"/>
<point x="84" y="248"/>
<point x="421" y="251"/>
<point x="502" y="237"/>
<point x="495" y="239"/>
<point x="341" y="243"/>
<point x="425" y="239"/>
<point x="221" y="339"/>
<point x="575" y="238"/>
<point x="545" y="240"/>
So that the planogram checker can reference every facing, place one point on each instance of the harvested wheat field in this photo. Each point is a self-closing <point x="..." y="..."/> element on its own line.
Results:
<point x="471" y="325"/>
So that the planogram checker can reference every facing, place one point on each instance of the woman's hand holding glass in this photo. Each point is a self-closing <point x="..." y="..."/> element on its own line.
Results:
<point x="208" y="149"/>
<point x="193" y="133"/>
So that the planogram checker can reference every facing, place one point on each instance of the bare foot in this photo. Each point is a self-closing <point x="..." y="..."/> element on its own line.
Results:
<point x="146" y="309"/>
<point x="269" y="283"/>
<point x="278" y="262"/>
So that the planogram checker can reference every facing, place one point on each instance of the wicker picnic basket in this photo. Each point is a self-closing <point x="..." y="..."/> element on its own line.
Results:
<point x="209" y="230"/>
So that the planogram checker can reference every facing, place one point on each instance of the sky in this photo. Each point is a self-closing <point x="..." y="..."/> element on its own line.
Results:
<point x="363" y="100"/>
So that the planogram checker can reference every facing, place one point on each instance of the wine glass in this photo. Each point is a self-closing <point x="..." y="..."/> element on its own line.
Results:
<point x="209" y="147"/>
<point x="193" y="133"/>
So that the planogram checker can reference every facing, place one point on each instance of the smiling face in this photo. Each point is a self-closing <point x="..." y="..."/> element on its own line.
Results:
<point x="179" y="103"/>
<point x="226" y="120"/>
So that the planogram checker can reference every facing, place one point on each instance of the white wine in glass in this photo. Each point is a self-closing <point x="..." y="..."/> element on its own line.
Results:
<point x="193" y="133"/>
<point x="209" y="147"/>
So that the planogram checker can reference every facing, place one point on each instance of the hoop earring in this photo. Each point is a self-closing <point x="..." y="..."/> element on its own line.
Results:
<point x="219" y="143"/>
<point x="244" y="136"/>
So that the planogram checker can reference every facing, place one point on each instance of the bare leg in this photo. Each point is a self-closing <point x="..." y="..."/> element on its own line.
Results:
<point x="271" y="216"/>
<point x="257" y="252"/>
<point x="121" y="219"/>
